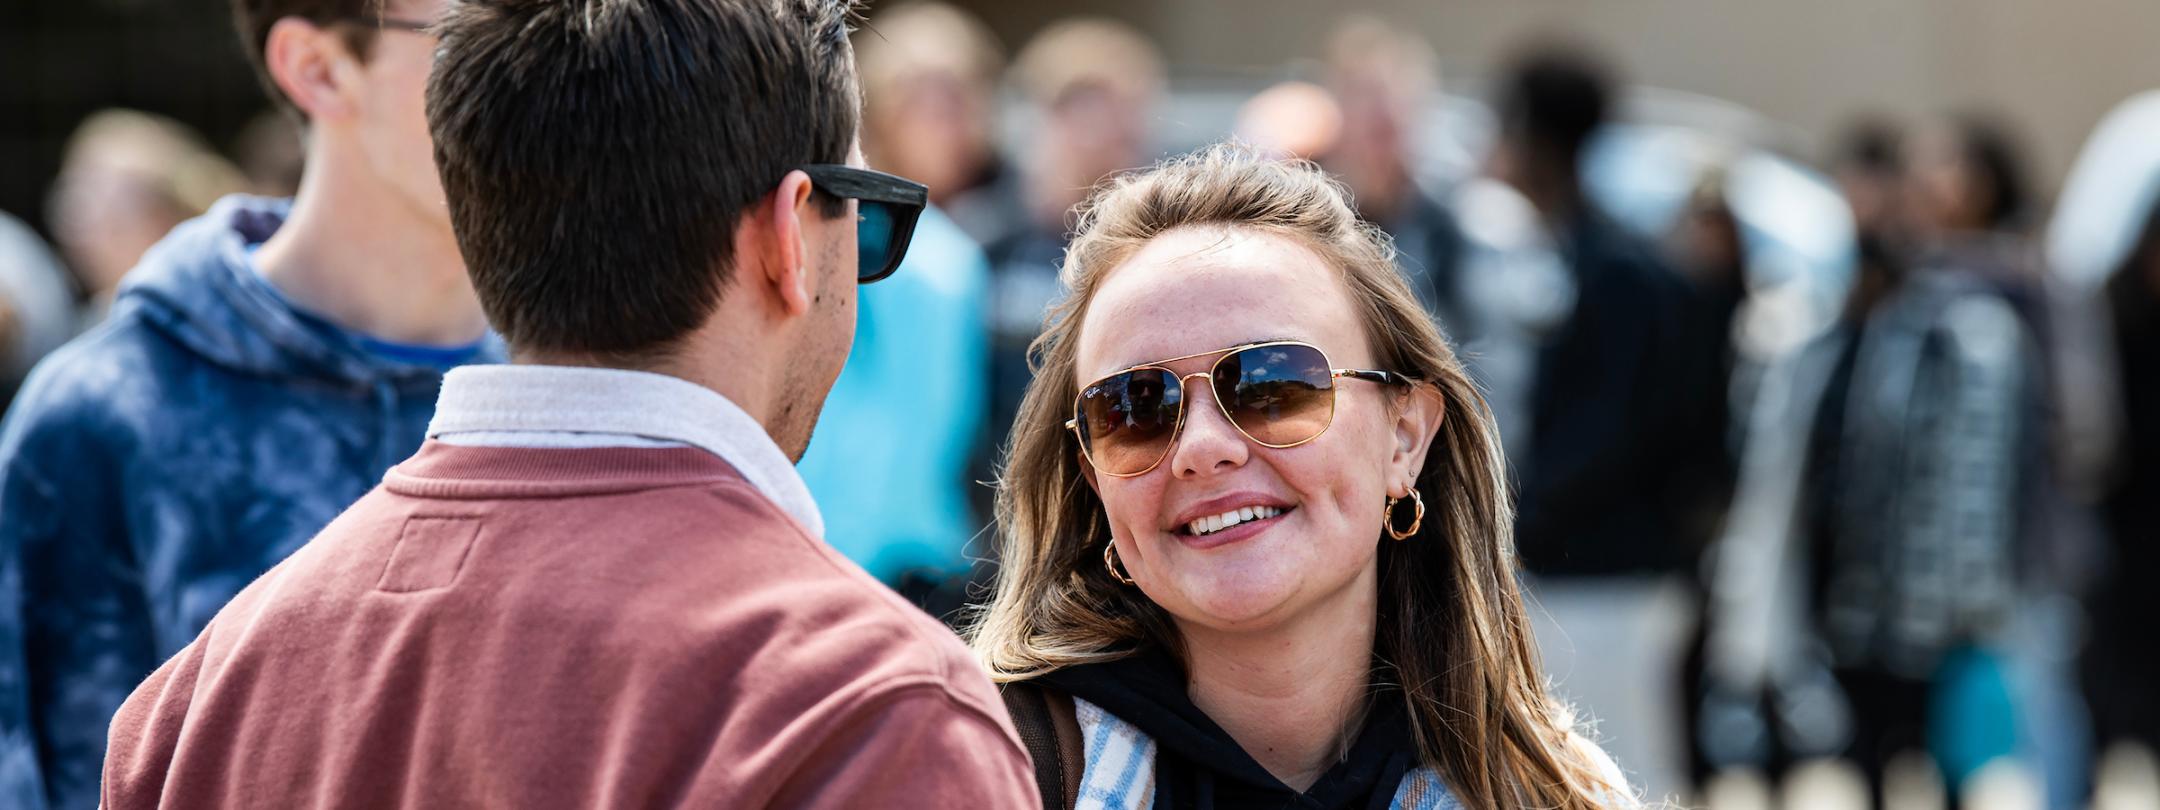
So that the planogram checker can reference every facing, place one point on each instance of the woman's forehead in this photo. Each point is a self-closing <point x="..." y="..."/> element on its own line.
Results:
<point x="1201" y="289"/>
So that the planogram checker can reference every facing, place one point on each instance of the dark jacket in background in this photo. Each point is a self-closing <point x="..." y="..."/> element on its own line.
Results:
<point x="2121" y="666"/>
<point x="156" y="465"/>
<point x="1621" y="391"/>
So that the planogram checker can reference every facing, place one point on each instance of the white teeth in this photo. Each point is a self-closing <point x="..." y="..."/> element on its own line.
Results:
<point x="1216" y="523"/>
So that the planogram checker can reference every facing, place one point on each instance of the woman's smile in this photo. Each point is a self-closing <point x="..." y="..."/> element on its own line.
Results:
<point x="1231" y="526"/>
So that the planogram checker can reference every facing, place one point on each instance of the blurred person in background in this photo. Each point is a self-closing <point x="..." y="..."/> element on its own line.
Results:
<point x="1766" y="697"/>
<point x="2103" y="281"/>
<point x="1870" y="574"/>
<point x="1707" y="246"/>
<point x="1973" y="208"/>
<point x="1620" y="424"/>
<point x="930" y="73"/>
<point x="1975" y="212"/>
<point x="900" y="429"/>
<point x="1968" y="179"/>
<point x="1383" y="80"/>
<point x="128" y="179"/>
<point x="1092" y="85"/>
<point x="1869" y="168"/>
<point x="262" y="367"/>
<point x="37" y="304"/>
<point x="2120" y="666"/>
<point x="1291" y="120"/>
<point x="1610" y="398"/>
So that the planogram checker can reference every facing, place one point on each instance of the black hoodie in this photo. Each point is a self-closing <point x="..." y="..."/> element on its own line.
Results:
<point x="1199" y="767"/>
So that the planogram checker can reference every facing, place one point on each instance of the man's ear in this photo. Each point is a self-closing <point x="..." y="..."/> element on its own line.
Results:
<point x="785" y="252"/>
<point x="311" y="66"/>
<point x="1417" y="421"/>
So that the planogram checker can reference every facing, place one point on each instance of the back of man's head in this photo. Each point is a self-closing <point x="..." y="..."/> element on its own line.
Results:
<point x="597" y="155"/>
<point x="1552" y="100"/>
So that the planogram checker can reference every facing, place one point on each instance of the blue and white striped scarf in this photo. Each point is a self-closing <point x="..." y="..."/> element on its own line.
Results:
<point x="1119" y="773"/>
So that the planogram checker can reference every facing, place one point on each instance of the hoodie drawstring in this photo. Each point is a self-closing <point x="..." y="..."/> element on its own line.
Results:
<point x="1391" y="777"/>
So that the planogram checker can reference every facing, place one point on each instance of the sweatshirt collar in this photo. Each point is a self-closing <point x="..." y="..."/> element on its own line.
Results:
<point x="535" y="406"/>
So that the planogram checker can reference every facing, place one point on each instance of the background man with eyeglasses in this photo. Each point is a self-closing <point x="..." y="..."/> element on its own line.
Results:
<point x="263" y="366"/>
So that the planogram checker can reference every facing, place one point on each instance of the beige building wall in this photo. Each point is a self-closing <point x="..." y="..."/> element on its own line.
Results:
<point x="2053" y="66"/>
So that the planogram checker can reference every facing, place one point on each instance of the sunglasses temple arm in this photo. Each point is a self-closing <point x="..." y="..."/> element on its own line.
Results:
<point x="1382" y="377"/>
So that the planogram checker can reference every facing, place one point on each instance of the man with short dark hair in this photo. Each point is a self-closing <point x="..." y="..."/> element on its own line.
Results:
<point x="262" y="366"/>
<point x="601" y="582"/>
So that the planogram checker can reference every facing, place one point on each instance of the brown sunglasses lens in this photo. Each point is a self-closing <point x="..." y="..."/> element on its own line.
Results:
<point x="1279" y="395"/>
<point x="1127" y="420"/>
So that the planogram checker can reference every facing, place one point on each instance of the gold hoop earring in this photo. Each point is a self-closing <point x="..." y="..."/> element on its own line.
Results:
<point x="1417" y="518"/>
<point x="1110" y="561"/>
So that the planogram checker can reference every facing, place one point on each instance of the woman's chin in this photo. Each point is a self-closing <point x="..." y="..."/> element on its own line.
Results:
<point x="1233" y="600"/>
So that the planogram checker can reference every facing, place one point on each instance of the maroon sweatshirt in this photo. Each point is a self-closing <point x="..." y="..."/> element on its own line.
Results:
<point x="539" y="628"/>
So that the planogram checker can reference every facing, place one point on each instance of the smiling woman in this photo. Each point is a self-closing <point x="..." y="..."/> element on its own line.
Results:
<point x="1222" y="586"/>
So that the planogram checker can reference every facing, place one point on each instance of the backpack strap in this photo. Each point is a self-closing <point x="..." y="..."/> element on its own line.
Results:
<point x="1050" y="731"/>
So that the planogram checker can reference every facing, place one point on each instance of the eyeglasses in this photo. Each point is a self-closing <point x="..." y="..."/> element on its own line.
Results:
<point x="391" y="24"/>
<point x="1280" y="394"/>
<point x="885" y="213"/>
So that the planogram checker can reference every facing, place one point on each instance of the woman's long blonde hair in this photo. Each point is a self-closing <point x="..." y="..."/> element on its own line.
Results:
<point x="1451" y="630"/>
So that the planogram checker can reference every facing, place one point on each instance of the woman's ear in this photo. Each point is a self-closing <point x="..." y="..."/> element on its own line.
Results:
<point x="1417" y="421"/>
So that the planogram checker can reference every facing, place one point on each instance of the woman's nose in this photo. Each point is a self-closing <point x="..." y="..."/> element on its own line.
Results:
<point x="1210" y="442"/>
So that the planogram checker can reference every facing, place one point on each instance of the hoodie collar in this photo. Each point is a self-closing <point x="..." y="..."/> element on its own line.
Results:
<point x="1200" y="765"/>
<point x="199" y="286"/>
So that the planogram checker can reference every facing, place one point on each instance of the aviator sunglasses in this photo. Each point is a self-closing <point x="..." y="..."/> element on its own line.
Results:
<point x="1280" y="394"/>
<point x="885" y="213"/>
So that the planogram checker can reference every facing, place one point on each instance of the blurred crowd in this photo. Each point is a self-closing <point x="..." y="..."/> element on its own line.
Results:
<point x="1851" y="457"/>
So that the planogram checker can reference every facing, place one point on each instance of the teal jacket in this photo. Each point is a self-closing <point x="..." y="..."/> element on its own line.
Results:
<point x="889" y="461"/>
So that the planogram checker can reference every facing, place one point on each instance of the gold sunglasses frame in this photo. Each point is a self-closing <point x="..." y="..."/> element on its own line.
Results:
<point x="1177" y="430"/>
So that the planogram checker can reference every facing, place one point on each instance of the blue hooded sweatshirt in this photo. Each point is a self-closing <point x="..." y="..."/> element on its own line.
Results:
<point x="156" y="465"/>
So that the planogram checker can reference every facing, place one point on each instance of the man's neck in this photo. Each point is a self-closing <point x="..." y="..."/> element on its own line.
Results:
<point x="355" y="252"/>
<point x="1293" y="697"/>
<point x="741" y="377"/>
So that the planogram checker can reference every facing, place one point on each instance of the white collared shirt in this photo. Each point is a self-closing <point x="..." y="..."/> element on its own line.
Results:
<point x="565" y="406"/>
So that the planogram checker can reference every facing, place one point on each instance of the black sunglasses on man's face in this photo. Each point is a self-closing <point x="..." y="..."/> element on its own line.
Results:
<point x="886" y="209"/>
